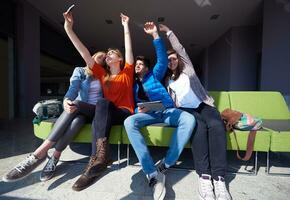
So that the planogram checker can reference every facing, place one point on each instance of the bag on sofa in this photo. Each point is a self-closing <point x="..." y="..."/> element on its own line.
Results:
<point x="47" y="109"/>
<point x="245" y="122"/>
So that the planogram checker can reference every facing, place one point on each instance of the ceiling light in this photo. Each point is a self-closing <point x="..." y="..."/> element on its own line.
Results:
<point x="108" y="21"/>
<point x="214" y="17"/>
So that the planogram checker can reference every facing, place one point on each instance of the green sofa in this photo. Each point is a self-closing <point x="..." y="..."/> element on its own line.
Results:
<point x="272" y="108"/>
<point x="267" y="105"/>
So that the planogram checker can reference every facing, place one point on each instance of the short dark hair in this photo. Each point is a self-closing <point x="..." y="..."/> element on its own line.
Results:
<point x="145" y="60"/>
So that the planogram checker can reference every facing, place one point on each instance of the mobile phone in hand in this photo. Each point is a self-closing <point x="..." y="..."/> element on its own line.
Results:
<point x="70" y="8"/>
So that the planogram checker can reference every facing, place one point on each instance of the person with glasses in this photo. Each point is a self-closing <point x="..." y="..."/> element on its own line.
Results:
<point x="117" y="104"/>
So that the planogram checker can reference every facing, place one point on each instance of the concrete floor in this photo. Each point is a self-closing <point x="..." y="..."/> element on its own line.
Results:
<point x="126" y="182"/>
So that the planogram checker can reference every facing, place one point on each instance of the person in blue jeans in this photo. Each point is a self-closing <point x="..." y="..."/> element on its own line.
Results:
<point x="148" y="87"/>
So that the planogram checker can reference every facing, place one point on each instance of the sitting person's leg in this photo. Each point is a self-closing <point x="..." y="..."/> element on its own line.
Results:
<point x="200" y="151"/>
<point x="217" y="150"/>
<point x="184" y="123"/>
<point x="39" y="155"/>
<point x="106" y="115"/>
<point x="57" y="131"/>
<point x="132" y="126"/>
<point x="71" y="131"/>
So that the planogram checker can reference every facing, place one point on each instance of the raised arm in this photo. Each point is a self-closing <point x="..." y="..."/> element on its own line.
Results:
<point x="180" y="50"/>
<point x="68" y="27"/>
<point x="161" y="65"/>
<point x="129" y="58"/>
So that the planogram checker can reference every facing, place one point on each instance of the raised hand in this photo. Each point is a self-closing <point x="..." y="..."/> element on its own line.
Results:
<point x="124" y="19"/>
<point x="69" y="21"/>
<point x="163" y="28"/>
<point x="150" y="28"/>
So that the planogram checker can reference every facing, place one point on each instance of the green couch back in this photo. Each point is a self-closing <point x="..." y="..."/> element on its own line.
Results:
<point x="221" y="100"/>
<point x="267" y="105"/>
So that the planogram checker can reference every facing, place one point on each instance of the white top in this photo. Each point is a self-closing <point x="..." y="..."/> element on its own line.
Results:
<point x="95" y="92"/>
<point x="183" y="94"/>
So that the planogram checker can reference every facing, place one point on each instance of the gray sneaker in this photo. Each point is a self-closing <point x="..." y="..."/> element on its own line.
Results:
<point x="158" y="186"/>
<point x="49" y="169"/>
<point x="23" y="169"/>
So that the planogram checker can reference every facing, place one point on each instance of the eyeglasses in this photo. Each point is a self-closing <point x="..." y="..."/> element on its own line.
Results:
<point x="112" y="51"/>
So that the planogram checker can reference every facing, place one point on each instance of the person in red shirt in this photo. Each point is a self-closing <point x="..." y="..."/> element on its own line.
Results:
<point x="118" y="104"/>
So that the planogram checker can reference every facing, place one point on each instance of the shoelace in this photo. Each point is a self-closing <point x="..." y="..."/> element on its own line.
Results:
<point x="91" y="161"/>
<point x="25" y="163"/>
<point x="51" y="164"/>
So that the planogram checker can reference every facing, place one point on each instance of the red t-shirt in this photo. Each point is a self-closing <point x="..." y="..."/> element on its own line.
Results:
<point x="119" y="89"/>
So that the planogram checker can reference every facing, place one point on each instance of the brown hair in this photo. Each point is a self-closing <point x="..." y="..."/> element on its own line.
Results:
<point x="179" y="67"/>
<point x="88" y="70"/>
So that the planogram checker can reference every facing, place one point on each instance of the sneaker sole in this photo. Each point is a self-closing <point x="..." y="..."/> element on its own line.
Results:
<point x="77" y="189"/>
<point x="14" y="180"/>
<point x="18" y="179"/>
<point x="43" y="179"/>
<point x="162" y="196"/>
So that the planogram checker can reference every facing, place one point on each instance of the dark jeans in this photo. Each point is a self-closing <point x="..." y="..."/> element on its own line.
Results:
<point x="68" y="125"/>
<point x="106" y="115"/>
<point x="209" y="142"/>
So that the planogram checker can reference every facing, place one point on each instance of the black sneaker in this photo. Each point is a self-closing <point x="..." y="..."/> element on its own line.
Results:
<point x="49" y="169"/>
<point x="162" y="168"/>
<point x="23" y="169"/>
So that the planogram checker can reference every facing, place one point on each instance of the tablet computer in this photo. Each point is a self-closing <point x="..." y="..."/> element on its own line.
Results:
<point x="152" y="105"/>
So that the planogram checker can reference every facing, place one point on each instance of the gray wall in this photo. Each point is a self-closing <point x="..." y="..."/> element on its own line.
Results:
<point x="245" y="49"/>
<point x="275" y="70"/>
<point x="219" y="55"/>
<point x="28" y="58"/>
<point x="232" y="62"/>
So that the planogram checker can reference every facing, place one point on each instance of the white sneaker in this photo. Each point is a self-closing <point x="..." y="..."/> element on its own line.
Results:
<point x="220" y="189"/>
<point x="205" y="188"/>
<point x="158" y="186"/>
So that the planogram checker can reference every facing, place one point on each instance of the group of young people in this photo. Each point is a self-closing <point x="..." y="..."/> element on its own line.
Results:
<point x="106" y="93"/>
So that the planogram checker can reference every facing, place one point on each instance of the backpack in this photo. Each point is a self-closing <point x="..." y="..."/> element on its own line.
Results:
<point x="245" y="122"/>
<point x="47" y="109"/>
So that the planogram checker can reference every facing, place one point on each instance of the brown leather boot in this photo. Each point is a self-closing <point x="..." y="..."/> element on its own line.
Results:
<point x="97" y="165"/>
<point x="84" y="181"/>
<point x="103" y="158"/>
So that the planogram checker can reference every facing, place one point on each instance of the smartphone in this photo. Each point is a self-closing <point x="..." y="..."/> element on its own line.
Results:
<point x="70" y="8"/>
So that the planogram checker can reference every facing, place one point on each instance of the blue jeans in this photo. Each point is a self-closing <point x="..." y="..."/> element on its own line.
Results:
<point x="184" y="123"/>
